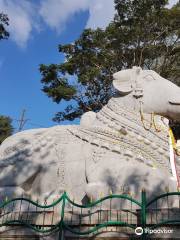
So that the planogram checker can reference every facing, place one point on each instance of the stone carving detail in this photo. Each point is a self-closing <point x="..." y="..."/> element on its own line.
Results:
<point x="111" y="146"/>
<point x="61" y="168"/>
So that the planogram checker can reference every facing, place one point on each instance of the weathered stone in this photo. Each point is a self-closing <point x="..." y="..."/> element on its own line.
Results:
<point x="92" y="158"/>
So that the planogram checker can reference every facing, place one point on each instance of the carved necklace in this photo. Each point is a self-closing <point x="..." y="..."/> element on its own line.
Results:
<point x="124" y="117"/>
<point x="152" y="121"/>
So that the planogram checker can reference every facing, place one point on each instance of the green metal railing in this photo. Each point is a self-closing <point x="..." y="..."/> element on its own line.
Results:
<point x="111" y="211"/>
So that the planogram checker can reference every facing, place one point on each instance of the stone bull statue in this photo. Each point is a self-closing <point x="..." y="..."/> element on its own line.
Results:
<point x="123" y="147"/>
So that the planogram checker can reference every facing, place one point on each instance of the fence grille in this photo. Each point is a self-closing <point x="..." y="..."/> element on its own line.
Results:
<point x="117" y="211"/>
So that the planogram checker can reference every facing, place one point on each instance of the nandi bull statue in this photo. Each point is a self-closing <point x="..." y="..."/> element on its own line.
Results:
<point x="124" y="147"/>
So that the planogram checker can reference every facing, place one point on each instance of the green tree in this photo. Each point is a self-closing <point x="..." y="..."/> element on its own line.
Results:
<point x="143" y="33"/>
<point x="6" y="128"/>
<point x="4" y="22"/>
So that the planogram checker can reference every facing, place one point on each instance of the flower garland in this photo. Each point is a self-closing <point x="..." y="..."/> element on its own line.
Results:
<point x="172" y="139"/>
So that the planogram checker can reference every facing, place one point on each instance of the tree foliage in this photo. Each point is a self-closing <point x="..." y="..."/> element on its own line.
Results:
<point x="143" y="33"/>
<point x="4" y="22"/>
<point x="6" y="128"/>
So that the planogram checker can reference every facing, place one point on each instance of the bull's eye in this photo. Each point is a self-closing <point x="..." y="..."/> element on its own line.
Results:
<point x="174" y="100"/>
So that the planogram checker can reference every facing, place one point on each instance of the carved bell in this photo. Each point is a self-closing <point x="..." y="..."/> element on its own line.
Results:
<point x="138" y="92"/>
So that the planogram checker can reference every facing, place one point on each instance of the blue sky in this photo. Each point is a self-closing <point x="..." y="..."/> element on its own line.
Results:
<point x="36" y="28"/>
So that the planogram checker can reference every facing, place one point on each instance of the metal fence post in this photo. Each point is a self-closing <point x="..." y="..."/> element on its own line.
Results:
<point x="143" y="212"/>
<point x="61" y="230"/>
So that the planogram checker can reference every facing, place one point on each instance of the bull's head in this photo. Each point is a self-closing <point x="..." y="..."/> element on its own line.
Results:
<point x="158" y="94"/>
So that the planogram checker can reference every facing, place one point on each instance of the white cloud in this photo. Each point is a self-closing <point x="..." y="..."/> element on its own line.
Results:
<point x="172" y="2"/>
<point x="21" y="19"/>
<point x="101" y="12"/>
<point x="57" y="12"/>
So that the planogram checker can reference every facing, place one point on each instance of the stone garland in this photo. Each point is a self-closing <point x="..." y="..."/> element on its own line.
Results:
<point x="131" y="132"/>
<point x="111" y="137"/>
<point x="106" y="116"/>
<point x="120" y="146"/>
<point x="134" y="145"/>
<point x="63" y="139"/>
<point x="61" y="168"/>
<point x="133" y="116"/>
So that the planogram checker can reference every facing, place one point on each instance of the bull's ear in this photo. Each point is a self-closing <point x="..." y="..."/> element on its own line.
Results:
<point x="122" y="81"/>
<point x="122" y="87"/>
